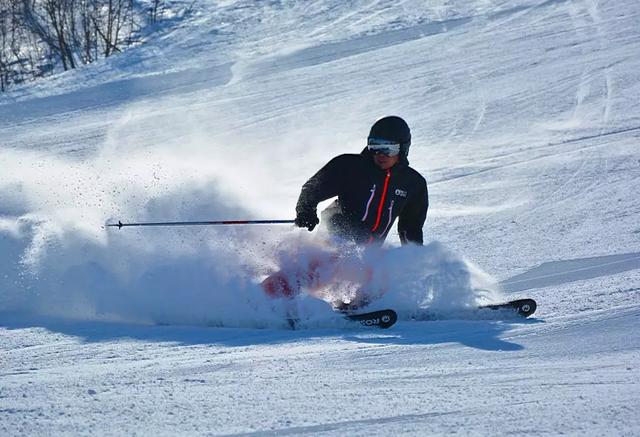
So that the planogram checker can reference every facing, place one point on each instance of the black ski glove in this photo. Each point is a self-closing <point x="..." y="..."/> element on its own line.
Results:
<point x="307" y="219"/>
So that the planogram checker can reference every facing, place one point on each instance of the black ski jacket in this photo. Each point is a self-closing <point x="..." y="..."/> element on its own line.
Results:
<point x="369" y="199"/>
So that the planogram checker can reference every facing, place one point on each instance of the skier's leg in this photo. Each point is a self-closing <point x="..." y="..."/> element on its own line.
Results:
<point x="312" y="270"/>
<point x="367" y="270"/>
<point x="364" y="294"/>
<point x="320" y="272"/>
<point x="313" y="276"/>
<point x="277" y="285"/>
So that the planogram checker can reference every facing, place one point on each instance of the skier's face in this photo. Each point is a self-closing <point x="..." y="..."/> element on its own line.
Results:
<point x="385" y="162"/>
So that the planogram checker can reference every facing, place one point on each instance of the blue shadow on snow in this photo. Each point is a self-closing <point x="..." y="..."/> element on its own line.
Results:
<point x="478" y="334"/>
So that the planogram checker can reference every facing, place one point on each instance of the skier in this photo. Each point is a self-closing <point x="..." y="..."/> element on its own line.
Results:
<point x="373" y="188"/>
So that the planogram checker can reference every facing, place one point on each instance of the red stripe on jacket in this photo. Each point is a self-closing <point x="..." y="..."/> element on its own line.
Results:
<point x="384" y="197"/>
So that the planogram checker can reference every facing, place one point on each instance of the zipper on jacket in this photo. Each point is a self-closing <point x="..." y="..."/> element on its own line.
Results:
<point x="366" y="211"/>
<point x="384" y="197"/>
<point x="390" y="217"/>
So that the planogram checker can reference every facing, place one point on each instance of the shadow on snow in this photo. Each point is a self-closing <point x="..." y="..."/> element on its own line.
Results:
<point x="479" y="334"/>
<point x="562" y="272"/>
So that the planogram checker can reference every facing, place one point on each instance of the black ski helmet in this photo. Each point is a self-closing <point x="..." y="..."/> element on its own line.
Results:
<point x="393" y="128"/>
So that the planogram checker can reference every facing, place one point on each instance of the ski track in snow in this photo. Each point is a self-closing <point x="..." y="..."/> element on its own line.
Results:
<point x="525" y="123"/>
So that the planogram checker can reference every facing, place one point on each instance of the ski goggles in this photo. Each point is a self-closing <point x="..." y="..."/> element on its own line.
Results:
<point x="382" y="146"/>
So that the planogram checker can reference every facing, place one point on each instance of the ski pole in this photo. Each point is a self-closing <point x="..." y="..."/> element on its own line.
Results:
<point x="121" y="225"/>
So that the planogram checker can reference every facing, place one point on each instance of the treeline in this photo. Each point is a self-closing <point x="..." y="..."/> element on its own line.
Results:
<point x="39" y="36"/>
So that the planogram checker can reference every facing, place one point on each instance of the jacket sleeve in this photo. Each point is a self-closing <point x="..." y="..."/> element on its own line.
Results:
<point x="324" y="185"/>
<point x="413" y="216"/>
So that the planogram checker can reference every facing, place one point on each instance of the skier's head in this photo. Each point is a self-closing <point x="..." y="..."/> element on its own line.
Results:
<point x="389" y="137"/>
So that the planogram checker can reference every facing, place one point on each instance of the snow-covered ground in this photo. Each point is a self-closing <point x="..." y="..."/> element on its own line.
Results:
<point x="526" y="124"/>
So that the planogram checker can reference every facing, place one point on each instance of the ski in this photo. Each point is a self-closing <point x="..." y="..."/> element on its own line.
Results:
<point x="518" y="308"/>
<point x="385" y="319"/>
<point x="523" y="307"/>
<point x="382" y="319"/>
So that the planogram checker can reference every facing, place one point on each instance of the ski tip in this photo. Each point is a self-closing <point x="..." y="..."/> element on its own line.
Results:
<point x="524" y="307"/>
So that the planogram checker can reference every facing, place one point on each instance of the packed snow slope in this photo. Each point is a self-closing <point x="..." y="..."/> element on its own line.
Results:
<point x="526" y="124"/>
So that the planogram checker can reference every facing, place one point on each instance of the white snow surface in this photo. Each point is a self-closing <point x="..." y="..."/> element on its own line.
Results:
<point x="526" y="124"/>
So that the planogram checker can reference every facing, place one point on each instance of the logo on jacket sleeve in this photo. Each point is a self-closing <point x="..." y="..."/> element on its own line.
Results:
<point x="401" y="193"/>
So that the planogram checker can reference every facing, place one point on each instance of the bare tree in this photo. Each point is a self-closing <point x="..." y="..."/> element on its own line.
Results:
<point x="4" y="60"/>
<point x="157" y="7"/>
<point x="58" y="12"/>
<point x="14" y="62"/>
<point x="4" y="42"/>
<point x="38" y="35"/>
<point x="87" y="35"/>
<point x="116" y="17"/>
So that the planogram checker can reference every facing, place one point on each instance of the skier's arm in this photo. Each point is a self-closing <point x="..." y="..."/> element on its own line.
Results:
<point x="413" y="216"/>
<point x="324" y="185"/>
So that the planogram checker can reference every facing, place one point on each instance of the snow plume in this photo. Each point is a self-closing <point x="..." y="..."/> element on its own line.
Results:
<point x="58" y="259"/>
<point x="434" y="278"/>
<point x="407" y="279"/>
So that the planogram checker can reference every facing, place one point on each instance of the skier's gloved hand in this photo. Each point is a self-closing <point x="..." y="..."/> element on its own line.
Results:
<point x="307" y="219"/>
